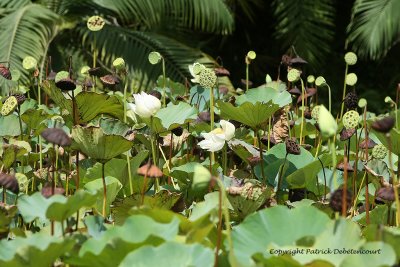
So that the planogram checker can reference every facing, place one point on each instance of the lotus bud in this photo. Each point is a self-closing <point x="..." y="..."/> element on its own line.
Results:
<point x="119" y="63"/>
<point x="154" y="58"/>
<point x="327" y="123"/>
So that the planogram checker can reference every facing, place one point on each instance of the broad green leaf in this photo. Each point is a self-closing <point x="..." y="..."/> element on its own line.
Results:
<point x="384" y="256"/>
<point x="93" y="142"/>
<point x="61" y="211"/>
<point x="390" y="235"/>
<point x="172" y="117"/>
<point x="113" y="187"/>
<point x="376" y="216"/>
<point x="161" y="200"/>
<point x="265" y="94"/>
<point x="113" y="126"/>
<point x="115" y="243"/>
<point x="252" y="115"/>
<point x="36" y="250"/>
<point x="91" y="104"/>
<point x="9" y="125"/>
<point x="57" y="96"/>
<point x="170" y="254"/>
<point x="35" y="118"/>
<point x="95" y="225"/>
<point x="36" y="205"/>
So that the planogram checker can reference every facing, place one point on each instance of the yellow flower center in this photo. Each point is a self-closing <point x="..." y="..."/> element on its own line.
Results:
<point x="217" y="131"/>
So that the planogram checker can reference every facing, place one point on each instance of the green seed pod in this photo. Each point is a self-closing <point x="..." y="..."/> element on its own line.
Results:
<point x="351" y="79"/>
<point x="315" y="113"/>
<point x="293" y="75"/>
<point x="119" y="63"/>
<point x="350" y="58"/>
<point x="379" y="151"/>
<point x="320" y="81"/>
<point x="251" y="55"/>
<point x="310" y="79"/>
<point x="351" y="119"/>
<point x="29" y="63"/>
<point x="362" y="102"/>
<point x="9" y="106"/>
<point x="154" y="58"/>
<point x="207" y="78"/>
<point x="327" y="123"/>
<point x="84" y="70"/>
<point x="95" y="23"/>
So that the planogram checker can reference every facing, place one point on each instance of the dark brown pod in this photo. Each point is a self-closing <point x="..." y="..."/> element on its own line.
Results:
<point x="223" y="90"/>
<point x="5" y="72"/>
<point x="95" y="71"/>
<point x="341" y="167"/>
<point x="292" y="147"/>
<point x="295" y="91"/>
<point x="109" y="80"/>
<point x="297" y="61"/>
<point x="155" y="93"/>
<point x="9" y="182"/>
<point x="51" y="76"/>
<point x="254" y="160"/>
<point x="346" y="134"/>
<point x="150" y="170"/>
<point x="385" y="194"/>
<point x="178" y="131"/>
<point x="243" y="81"/>
<point x="47" y="191"/>
<point x="20" y="98"/>
<point x="383" y="125"/>
<point x="66" y="84"/>
<point x="335" y="201"/>
<point x="351" y="100"/>
<point x="56" y="136"/>
<point x="363" y="144"/>
<point x="285" y="60"/>
<point x="307" y="113"/>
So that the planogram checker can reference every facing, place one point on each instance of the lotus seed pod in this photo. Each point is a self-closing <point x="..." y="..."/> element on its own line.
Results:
<point x="154" y="57"/>
<point x="320" y="81"/>
<point x="5" y="72"/>
<point x="95" y="23"/>
<point x="61" y="75"/>
<point x="383" y="125"/>
<point x="351" y="119"/>
<point x="20" y="98"/>
<point x="292" y="147"/>
<point x="207" y="78"/>
<point x="268" y="78"/>
<point x="379" y="151"/>
<point x="326" y="122"/>
<point x="197" y="68"/>
<point x="351" y="79"/>
<point x="310" y="79"/>
<point x="388" y="99"/>
<point x="251" y="55"/>
<point x="16" y="74"/>
<point x="315" y="113"/>
<point x="293" y="75"/>
<point x="9" y="105"/>
<point x="362" y="102"/>
<point x="29" y="63"/>
<point x="351" y="100"/>
<point x="119" y="63"/>
<point x="350" y="58"/>
<point x="336" y="200"/>
<point x="84" y="70"/>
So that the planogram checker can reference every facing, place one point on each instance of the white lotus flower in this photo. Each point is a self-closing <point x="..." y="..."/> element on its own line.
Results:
<point x="215" y="140"/>
<point x="195" y="70"/>
<point x="145" y="105"/>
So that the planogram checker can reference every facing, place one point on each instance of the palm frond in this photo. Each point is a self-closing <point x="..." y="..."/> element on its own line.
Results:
<point x="307" y="25"/>
<point x="7" y="4"/>
<point x="26" y="32"/>
<point x="375" y="27"/>
<point x="211" y="16"/>
<point x="134" y="47"/>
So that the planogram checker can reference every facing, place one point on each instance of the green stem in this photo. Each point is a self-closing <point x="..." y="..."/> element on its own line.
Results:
<point x="56" y="169"/>
<point x="20" y="123"/>
<point x="261" y="156"/>
<point x="302" y="110"/>
<point x="269" y="133"/>
<point x="153" y="153"/>
<point x="164" y="79"/>
<point x="278" y="189"/>
<point x="212" y="108"/>
<point x="104" y="190"/>
<point x="344" y="89"/>
<point x="334" y="162"/>
<point x="330" y="98"/>
<point x="225" y="159"/>
<point x="247" y="77"/>
<point x="125" y="91"/>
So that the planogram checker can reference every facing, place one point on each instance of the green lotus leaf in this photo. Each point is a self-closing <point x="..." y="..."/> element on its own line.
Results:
<point x="9" y="125"/>
<point x="252" y="115"/>
<point x="171" y="117"/>
<point x="91" y="104"/>
<point x="36" y="250"/>
<point x="95" y="225"/>
<point x="7" y="213"/>
<point x="390" y="235"/>
<point x="113" y="126"/>
<point x="376" y="216"/>
<point x="93" y="142"/>
<point x="265" y="94"/>
<point x="61" y="211"/>
<point x="113" y="187"/>
<point x="385" y="257"/>
<point x="115" y="243"/>
<point x="163" y="199"/>
<point x="58" y="97"/>
<point x="36" y="205"/>
<point x="170" y="254"/>
<point x="304" y="227"/>
<point x="35" y="119"/>
<point x="274" y="158"/>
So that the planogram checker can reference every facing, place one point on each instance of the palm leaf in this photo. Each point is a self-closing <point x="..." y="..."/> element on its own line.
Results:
<point x="206" y="15"/>
<point x="134" y="47"/>
<point x="26" y="32"/>
<point x="375" y="27"/>
<point x="307" y="25"/>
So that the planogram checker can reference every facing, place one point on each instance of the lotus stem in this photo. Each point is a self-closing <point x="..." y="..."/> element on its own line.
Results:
<point x="164" y="79"/>
<point x="344" y="90"/>
<point x="278" y="189"/>
<point x="334" y="162"/>
<point x="154" y="156"/>
<point x="247" y="77"/>
<point x="269" y="133"/>
<point x="104" y="190"/>
<point x="4" y="195"/>
<point x="261" y="156"/>
<point x="344" y="196"/>
<point x="395" y="181"/>
<point x="225" y="159"/>
<point x="20" y="123"/>
<point x="303" y="96"/>
<point x="127" y="154"/>
<point x="219" y="227"/>
<point x="56" y="167"/>
<point x="366" y="177"/>
<point x="168" y="165"/>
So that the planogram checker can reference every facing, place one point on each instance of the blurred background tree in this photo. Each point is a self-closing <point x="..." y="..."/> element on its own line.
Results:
<point x="183" y="31"/>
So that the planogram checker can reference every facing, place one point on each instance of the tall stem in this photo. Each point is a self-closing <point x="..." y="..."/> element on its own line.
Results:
<point x="280" y="178"/>
<point x="104" y="190"/>
<point x="20" y="123"/>
<point x="334" y="162"/>
<point x="153" y="153"/>
<point x="395" y="181"/>
<point x="212" y="158"/>
<point x="164" y="80"/>
<point x="225" y="159"/>
<point x="330" y="98"/>
<point x="344" y="89"/>
<point x="247" y="77"/>
<point x="261" y="156"/>
<point x="302" y="111"/>
<point x="366" y="177"/>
